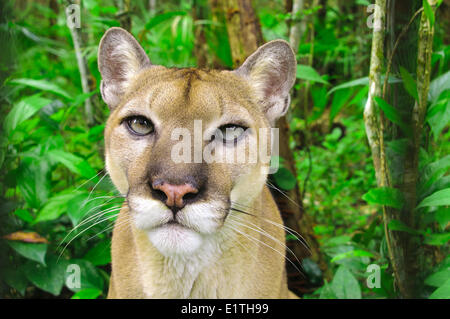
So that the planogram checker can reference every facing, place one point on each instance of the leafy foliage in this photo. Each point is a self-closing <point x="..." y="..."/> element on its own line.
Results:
<point x="53" y="181"/>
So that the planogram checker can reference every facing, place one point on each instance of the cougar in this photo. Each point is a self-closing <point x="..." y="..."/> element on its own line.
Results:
<point x="192" y="227"/>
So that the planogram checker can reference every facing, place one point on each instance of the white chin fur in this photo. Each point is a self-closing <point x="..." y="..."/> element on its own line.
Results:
<point x="195" y="222"/>
<point x="173" y="239"/>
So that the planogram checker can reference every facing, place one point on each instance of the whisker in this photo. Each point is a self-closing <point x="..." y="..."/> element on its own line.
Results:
<point x="263" y="243"/>
<point x="289" y="230"/>
<point x="265" y="233"/>
<point x="112" y="225"/>
<point x="84" y="230"/>
<point x="89" y="179"/>
<point x="268" y="183"/>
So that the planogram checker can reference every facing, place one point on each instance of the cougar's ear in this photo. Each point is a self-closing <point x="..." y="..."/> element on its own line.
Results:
<point x="271" y="71"/>
<point x="120" y="58"/>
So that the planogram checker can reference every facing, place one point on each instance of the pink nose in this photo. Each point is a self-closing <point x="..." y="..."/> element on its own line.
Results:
<point x="175" y="193"/>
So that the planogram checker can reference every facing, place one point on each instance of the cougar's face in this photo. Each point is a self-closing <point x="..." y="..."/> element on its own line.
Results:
<point x="175" y="147"/>
<point x="184" y="145"/>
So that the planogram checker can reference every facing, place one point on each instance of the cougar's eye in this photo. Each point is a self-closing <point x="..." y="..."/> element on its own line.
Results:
<point x="230" y="133"/>
<point x="139" y="125"/>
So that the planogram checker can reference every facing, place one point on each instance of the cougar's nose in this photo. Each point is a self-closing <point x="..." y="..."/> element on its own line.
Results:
<point x="174" y="196"/>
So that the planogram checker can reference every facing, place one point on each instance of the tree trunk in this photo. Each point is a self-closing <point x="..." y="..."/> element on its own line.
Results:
<point x="84" y="71"/>
<point x="124" y="14"/>
<point x="401" y="173"/>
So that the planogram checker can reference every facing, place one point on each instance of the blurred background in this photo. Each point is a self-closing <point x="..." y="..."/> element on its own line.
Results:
<point x="373" y="231"/>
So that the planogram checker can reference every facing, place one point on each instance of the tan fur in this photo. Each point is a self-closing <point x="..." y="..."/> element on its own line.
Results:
<point x="231" y="260"/>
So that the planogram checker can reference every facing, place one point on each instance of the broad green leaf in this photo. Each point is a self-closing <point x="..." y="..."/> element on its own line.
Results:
<point x="33" y="179"/>
<point x="22" y="111"/>
<point x="55" y="207"/>
<point x="308" y="73"/>
<point x="438" y="116"/>
<point x="24" y="215"/>
<point x="443" y="292"/>
<point x="340" y="99"/>
<point x="31" y="251"/>
<point x="90" y="277"/>
<point x="284" y="179"/>
<point x="438" y="278"/>
<point x="437" y="239"/>
<point x="391" y="113"/>
<point x="72" y="162"/>
<point x="439" y="85"/>
<point x="100" y="254"/>
<point x="327" y="292"/>
<point x="409" y="83"/>
<point x="339" y="240"/>
<point x="442" y="216"/>
<point x="163" y="17"/>
<point x="345" y="285"/>
<point x="428" y="12"/>
<point x="43" y="85"/>
<point x="432" y="172"/>
<point x="88" y="293"/>
<point x="439" y="198"/>
<point x="361" y="81"/>
<point x="357" y="82"/>
<point x="15" y="278"/>
<point x="398" y="225"/>
<point x="49" y="278"/>
<point x="80" y="205"/>
<point x="352" y="253"/>
<point x="386" y="196"/>
<point x="398" y="146"/>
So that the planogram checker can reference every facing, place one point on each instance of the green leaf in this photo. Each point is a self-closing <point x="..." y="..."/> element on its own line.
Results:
<point x="308" y="73"/>
<point x="24" y="215"/>
<point x="284" y="179"/>
<point x="438" y="278"/>
<point x="442" y="216"/>
<point x="33" y="180"/>
<point x="72" y="162"/>
<point x="163" y="17"/>
<point x="80" y="205"/>
<point x="360" y="81"/>
<point x="15" y="278"/>
<point x="352" y="253"/>
<point x="43" y="85"/>
<point x="55" y="207"/>
<point x="22" y="111"/>
<point x="345" y="285"/>
<point x="31" y="251"/>
<point x="409" y="83"/>
<point x="49" y="278"/>
<point x="438" y="116"/>
<point x="391" y="113"/>
<point x="357" y="82"/>
<point x="88" y="293"/>
<point x="439" y="198"/>
<point x="398" y="225"/>
<point x="386" y="196"/>
<point x="428" y="12"/>
<point x="340" y="99"/>
<point x="443" y="292"/>
<point x="437" y="239"/>
<point x="90" y="277"/>
<point x="439" y="85"/>
<point x="432" y="172"/>
<point x="100" y="254"/>
<point x="327" y="292"/>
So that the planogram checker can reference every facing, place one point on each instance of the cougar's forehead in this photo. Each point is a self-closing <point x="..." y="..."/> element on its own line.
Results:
<point x="179" y="96"/>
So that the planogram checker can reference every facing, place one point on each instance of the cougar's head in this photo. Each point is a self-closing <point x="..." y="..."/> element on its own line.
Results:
<point x="184" y="145"/>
